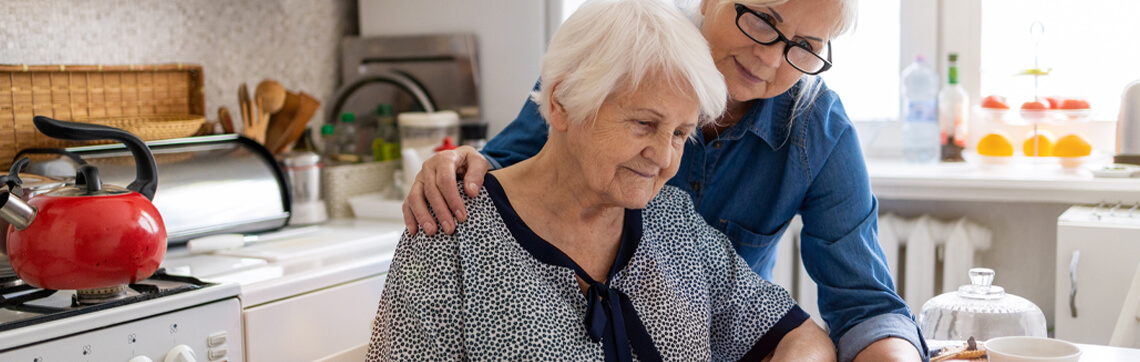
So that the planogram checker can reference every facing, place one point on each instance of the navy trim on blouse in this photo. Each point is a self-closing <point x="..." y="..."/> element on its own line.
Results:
<point x="610" y="316"/>
<point x="767" y="343"/>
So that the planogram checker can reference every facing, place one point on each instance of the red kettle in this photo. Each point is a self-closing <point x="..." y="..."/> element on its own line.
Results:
<point x="89" y="235"/>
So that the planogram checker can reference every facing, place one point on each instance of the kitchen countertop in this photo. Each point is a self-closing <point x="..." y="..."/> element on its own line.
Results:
<point x="339" y="251"/>
<point x="342" y="251"/>
<point x="894" y="179"/>
<point x="1097" y="353"/>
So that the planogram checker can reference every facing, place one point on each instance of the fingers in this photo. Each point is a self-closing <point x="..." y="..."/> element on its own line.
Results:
<point x="449" y="195"/>
<point x="435" y="189"/>
<point x="409" y="219"/>
<point x="477" y="168"/>
<point x="416" y="208"/>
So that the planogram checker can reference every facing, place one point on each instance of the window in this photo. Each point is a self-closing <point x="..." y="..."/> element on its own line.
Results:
<point x="1088" y="44"/>
<point x="866" y="70"/>
<point x="568" y="7"/>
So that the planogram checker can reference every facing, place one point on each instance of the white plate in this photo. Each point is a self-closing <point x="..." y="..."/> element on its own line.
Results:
<point x="376" y="206"/>
<point x="1020" y="161"/>
<point x="1115" y="170"/>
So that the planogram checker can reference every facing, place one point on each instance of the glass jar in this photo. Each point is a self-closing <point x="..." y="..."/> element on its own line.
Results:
<point x="303" y="168"/>
<point x="980" y="310"/>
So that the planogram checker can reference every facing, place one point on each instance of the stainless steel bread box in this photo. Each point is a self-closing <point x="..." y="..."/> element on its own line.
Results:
<point x="206" y="185"/>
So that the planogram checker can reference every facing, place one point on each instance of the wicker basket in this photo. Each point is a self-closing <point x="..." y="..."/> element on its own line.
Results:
<point x="150" y="128"/>
<point x="74" y="92"/>
<point x="338" y="183"/>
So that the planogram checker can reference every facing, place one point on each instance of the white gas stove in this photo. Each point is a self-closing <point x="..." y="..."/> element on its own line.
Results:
<point x="306" y="298"/>
<point x="164" y="318"/>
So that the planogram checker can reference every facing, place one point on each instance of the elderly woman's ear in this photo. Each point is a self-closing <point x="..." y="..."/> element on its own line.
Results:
<point x="558" y="119"/>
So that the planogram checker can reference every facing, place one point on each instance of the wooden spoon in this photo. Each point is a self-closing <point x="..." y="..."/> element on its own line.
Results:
<point x="270" y="97"/>
<point x="305" y="111"/>
<point x="279" y="122"/>
<point x="246" y="111"/>
<point x="226" y="120"/>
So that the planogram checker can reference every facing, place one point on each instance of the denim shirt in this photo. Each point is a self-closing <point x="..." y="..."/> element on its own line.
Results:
<point x="755" y="177"/>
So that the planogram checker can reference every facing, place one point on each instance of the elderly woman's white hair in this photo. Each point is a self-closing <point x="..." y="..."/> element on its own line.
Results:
<point x="610" y="46"/>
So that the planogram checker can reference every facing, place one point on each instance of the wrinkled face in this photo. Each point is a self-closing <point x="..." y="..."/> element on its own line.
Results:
<point x="754" y="71"/>
<point x="634" y="144"/>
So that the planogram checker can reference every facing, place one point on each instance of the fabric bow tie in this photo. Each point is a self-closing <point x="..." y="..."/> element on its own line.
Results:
<point x="608" y="315"/>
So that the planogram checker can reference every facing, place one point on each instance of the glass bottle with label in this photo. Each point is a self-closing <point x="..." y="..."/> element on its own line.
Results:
<point x="347" y="144"/>
<point x="386" y="144"/>
<point x="953" y="114"/>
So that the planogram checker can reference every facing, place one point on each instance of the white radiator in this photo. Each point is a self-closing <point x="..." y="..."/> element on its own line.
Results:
<point x="927" y="257"/>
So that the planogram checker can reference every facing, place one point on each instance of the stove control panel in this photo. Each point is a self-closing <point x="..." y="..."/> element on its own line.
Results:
<point x="187" y="335"/>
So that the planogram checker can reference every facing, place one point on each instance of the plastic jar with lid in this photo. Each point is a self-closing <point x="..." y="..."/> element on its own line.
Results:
<point x="420" y="134"/>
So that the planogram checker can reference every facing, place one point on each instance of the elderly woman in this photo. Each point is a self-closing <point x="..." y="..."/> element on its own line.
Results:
<point x="783" y="147"/>
<point x="578" y="253"/>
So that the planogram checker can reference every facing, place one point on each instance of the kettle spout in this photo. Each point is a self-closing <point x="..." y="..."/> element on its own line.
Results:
<point x="15" y="211"/>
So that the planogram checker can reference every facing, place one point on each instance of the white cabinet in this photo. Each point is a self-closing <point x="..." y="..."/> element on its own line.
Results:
<point x="1097" y="254"/>
<point x="315" y="325"/>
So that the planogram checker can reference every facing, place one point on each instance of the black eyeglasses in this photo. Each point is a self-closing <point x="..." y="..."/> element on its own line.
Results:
<point x="759" y="28"/>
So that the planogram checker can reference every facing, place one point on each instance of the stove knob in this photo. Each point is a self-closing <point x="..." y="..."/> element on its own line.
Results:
<point x="180" y="353"/>
<point x="140" y="359"/>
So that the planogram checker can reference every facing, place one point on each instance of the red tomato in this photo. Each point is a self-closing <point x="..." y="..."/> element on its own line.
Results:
<point x="1054" y="102"/>
<point x="995" y="102"/>
<point x="1074" y="103"/>
<point x="1035" y="105"/>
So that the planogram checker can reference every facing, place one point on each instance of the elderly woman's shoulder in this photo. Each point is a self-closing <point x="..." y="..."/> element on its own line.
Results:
<point x="671" y="203"/>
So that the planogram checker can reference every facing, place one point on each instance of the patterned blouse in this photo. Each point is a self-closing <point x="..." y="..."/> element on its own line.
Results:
<point x="494" y="290"/>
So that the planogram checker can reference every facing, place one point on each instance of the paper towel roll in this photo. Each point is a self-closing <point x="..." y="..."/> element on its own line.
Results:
<point x="1128" y="124"/>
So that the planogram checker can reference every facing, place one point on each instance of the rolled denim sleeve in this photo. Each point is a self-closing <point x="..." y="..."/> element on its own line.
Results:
<point x="876" y="328"/>
<point x="520" y="140"/>
<point x="840" y="247"/>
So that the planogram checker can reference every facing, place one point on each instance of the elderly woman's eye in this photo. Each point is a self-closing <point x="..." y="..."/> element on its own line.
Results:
<point x="679" y="133"/>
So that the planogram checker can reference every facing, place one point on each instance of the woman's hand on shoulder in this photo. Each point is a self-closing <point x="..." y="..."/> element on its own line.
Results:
<point x="434" y="187"/>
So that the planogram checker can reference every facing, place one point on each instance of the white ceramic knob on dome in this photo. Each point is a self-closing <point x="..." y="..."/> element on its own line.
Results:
<point x="140" y="359"/>
<point x="180" y="353"/>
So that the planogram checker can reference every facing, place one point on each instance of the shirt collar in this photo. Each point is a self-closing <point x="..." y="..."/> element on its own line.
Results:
<point x="767" y="119"/>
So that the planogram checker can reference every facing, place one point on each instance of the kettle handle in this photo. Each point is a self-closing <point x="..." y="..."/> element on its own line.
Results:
<point x="146" y="170"/>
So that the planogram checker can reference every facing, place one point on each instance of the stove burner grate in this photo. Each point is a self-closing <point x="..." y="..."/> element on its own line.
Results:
<point x="21" y="297"/>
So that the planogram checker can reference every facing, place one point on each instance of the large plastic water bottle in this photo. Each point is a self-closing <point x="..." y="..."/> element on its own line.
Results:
<point x="920" y="133"/>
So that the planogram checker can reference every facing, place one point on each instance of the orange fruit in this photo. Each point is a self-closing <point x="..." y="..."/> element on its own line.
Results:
<point x="1072" y="146"/>
<point x="1074" y="103"/>
<point x="995" y="144"/>
<point x="995" y="102"/>
<point x="1044" y="144"/>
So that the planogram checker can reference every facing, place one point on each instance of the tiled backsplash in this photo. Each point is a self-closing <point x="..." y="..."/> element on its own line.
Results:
<point x="292" y="41"/>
